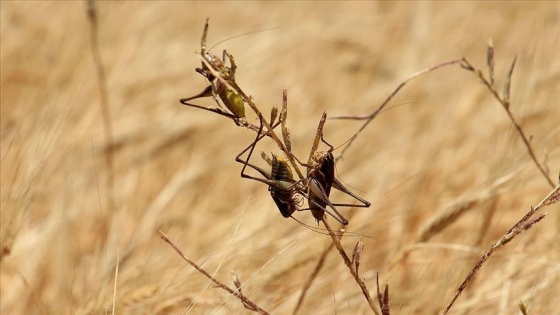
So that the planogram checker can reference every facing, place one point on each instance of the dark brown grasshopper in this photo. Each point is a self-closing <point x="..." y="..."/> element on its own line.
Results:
<point x="288" y="192"/>
<point x="321" y="178"/>
<point x="211" y="68"/>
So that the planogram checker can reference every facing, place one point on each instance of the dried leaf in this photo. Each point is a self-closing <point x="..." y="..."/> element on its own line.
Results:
<point x="356" y="255"/>
<point x="273" y="114"/>
<point x="507" y="84"/>
<point x="283" y="118"/>
<point x="285" y="101"/>
<point x="284" y="110"/>
<point x="236" y="281"/>
<point x="383" y="298"/>
<point x="287" y="139"/>
<point x="385" y="310"/>
<point x="523" y="308"/>
<point x="490" y="60"/>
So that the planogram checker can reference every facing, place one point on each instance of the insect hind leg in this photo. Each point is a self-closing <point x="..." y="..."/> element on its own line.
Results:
<point x="340" y="187"/>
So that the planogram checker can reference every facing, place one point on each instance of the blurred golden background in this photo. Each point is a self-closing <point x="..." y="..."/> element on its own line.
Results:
<point x="447" y="144"/>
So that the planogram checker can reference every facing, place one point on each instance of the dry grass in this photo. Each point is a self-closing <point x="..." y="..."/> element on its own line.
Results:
<point x="450" y="148"/>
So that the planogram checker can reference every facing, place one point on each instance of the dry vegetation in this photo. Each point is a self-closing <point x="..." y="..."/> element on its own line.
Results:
<point x="449" y="150"/>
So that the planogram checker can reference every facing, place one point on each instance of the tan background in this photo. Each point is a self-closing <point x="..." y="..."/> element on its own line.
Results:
<point x="449" y="142"/>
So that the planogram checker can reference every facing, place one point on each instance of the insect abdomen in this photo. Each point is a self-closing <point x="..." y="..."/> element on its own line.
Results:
<point x="283" y="197"/>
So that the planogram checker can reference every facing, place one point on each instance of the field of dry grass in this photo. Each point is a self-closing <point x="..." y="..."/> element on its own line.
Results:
<point x="448" y="145"/>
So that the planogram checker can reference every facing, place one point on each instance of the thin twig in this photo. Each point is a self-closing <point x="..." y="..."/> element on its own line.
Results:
<point x="238" y="285"/>
<point x="443" y="218"/>
<point x="370" y="117"/>
<point x="523" y="224"/>
<point x="116" y="280"/>
<point x="505" y="104"/>
<point x="235" y="293"/>
<point x="348" y="264"/>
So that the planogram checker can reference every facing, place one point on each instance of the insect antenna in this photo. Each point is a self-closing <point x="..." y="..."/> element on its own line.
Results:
<point x="337" y="233"/>
<point x="241" y="35"/>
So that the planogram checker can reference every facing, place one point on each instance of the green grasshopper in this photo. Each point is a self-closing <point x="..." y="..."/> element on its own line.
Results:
<point x="212" y="66"/>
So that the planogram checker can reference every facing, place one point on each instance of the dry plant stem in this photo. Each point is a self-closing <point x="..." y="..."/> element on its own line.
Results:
<point x="312" y="277"/>
<point x="522" y="225"/>
<point x="383" y="298"/>
<point x="505" y="104"/>
<point x="435" y="226"/>
<point x="371" y="116"/>
<point x="105" y="110"/>
<point x="348" y="263"/>
<point x="116" y="280"/>
<point x="442" y="219"/>
<point x="238" y="285"/>
<point x="248" y="303"/>
<point x="504" y="240"/>
<point x="233" y="86"/>
<point x="523" y="308"/>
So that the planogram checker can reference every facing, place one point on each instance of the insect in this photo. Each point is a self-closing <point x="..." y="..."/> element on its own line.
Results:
<point x="211" y="68"/>
<point x="283" y="188"/>
<point x="288" y="192"/>
<point x="321" y="178"/>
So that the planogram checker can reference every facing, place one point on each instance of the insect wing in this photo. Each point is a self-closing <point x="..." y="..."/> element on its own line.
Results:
<point x="320" y="183"/>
